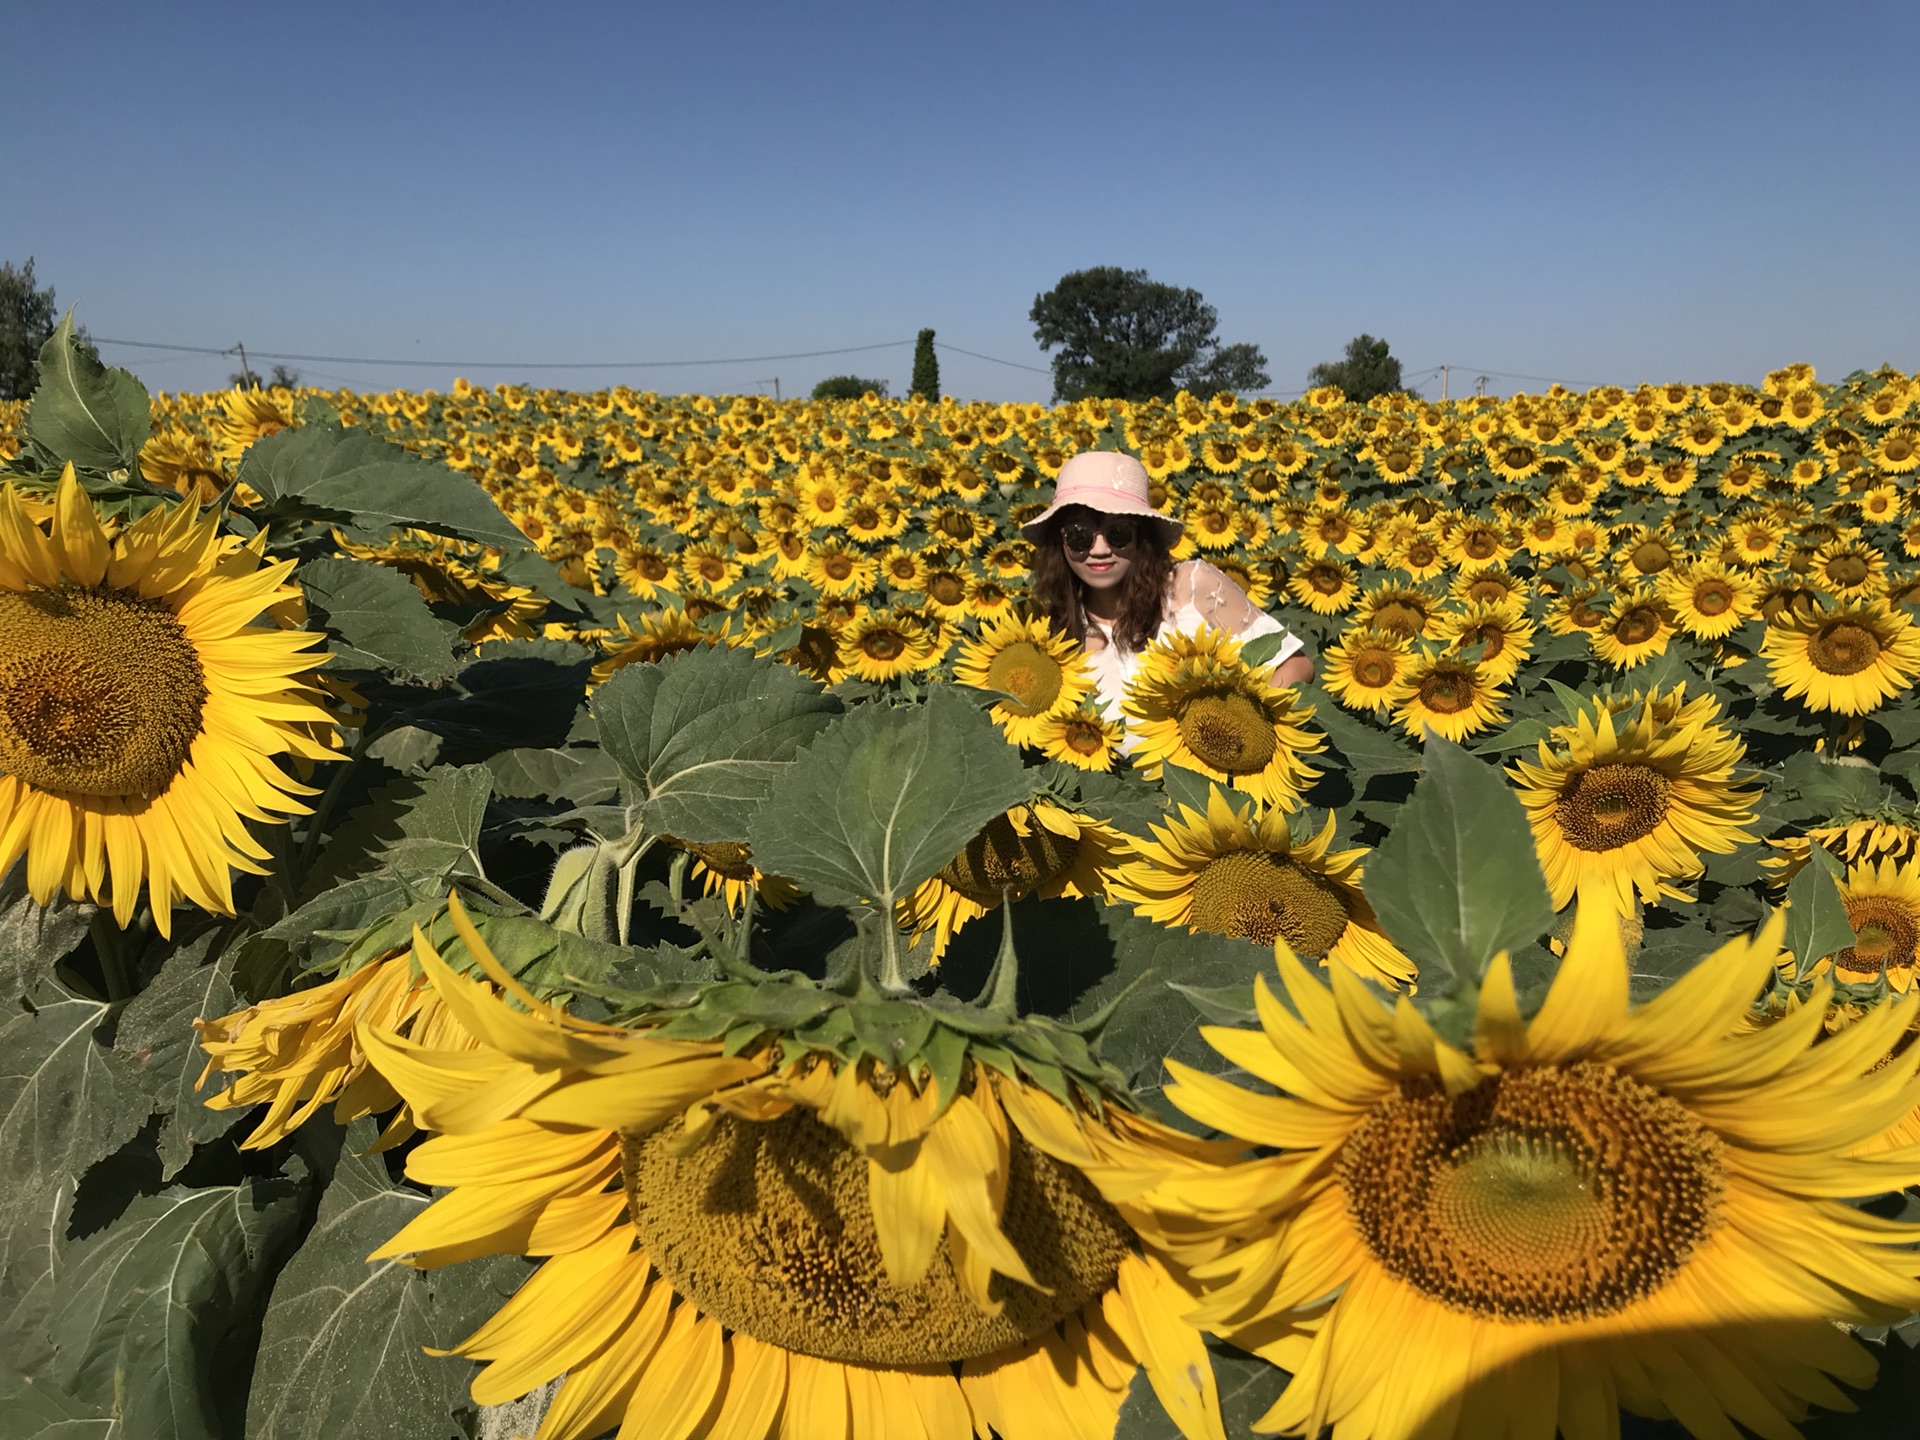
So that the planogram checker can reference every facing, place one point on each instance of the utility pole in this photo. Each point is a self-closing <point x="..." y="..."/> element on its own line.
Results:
<point x="1443" y="382"/>
<point x="776" y="389"/>
<point x="1482" y="383"/>
<point x="246" y="371"/>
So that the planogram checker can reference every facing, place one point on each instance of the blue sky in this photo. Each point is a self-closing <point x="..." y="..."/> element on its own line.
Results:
<point x="1588" y="192"/>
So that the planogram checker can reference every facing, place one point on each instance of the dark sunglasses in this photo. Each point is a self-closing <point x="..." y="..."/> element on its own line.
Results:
<point x="1120" y="531"/>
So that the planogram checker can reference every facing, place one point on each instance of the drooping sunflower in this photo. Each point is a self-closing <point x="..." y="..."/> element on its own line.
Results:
<point x="1888" y="835"/>
<point x="1603" y="1208"/>
<point x="1366" y="669"/>
<point x="299" y="1052"/>
<point x="725" y="868"/>
<point x="744" y="1245"/>
<point x="508" y="611"/>
<point x="1629" y="801"/>
<point x="1449" y="694"/>
<point x="1041" y="848"/>
<point x="1851" y="657"/>
<point x="1238" y="872"/>
<point x="247" y="416"/>
<point x="661" y="633"/>
<point x="1040" y="671"/>
<point x="141" y="707"/>
<point x="1195" y="703"/>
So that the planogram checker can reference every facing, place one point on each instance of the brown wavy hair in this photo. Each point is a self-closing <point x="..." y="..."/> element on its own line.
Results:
<point x="1057" y="593"/>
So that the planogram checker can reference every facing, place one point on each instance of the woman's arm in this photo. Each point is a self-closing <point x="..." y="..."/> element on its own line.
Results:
<point x="1225" y="606"/>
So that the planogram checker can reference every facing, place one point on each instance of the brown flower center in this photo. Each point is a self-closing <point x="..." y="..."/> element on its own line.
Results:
<point x="1261" y="896"/>
<point x="1000" y="856"/>
<point x="1843" y="647"/>
<point x="1229" y="732"/>
<point x="1612" y="805"/>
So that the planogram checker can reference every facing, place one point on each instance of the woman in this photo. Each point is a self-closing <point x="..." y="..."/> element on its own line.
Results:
<point x="1103" y="573"/>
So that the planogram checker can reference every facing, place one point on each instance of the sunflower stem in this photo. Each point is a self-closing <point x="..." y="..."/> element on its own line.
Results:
<point x="322" y="813"/>
<point x="116" y="965"/>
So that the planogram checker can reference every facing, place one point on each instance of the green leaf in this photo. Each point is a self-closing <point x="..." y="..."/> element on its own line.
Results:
<point x="1521" y="735"/>
<point x="1368" y="750"/>
<point x="1262" y="648"/>
<point x="1457" y="880"/>
<point x="37" y="1409"/>
<point x="1186" y="787"/>
<point x="1817" y="924"/>
<point x="423" y="829"/>
<point x="144" y="1308"/>
<point x="336" y="476"/>
<point x="66" y="1100"/>
<point x="84" y="412"/>
<point x="379" y="620"/>
<point x="1221" y="1004"/>
<point x="544" y="957"/>
<point x="1248" y="1387"/>
<point x="885" y="798"/>
<point x="341" y="1348"/>
<point x="34" y="938"/>
<point x="705" y="734"/>
<point x="581" y="773"/>
<point x="157" y="1039"/>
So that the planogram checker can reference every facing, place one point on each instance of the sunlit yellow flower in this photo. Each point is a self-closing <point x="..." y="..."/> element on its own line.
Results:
<point x="1040" y="672"/>
<point x="1450" y="695"/>
<point x="1851" y="657"/>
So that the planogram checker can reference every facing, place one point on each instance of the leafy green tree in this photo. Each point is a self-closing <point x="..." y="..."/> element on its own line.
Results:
<point x="27" y="320"/>
<point x="1368" y="370"/>
<point x="847" y="387"/>
<point x="926" y="368"/>
<point x="1123" y="336"/>
<point x="281" y="379"/>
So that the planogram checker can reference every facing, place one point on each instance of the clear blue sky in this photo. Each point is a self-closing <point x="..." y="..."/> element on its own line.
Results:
<point x="1591" y="192"/>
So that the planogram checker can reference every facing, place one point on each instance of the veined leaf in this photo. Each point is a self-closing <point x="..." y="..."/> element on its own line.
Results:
<point x="1817" y="923"/>
<point x="379" y="620"/>
<point x="337" y="476"/>
<point x="34" y="938"/>
<point x="1368" y="750"/>
<point x="157" y="1038"/>
<point x="1457" y="881"/>
<point x="143" y="1307"/>
<point x="65" y="1101"/>
<point x="84" y="412"/>
<point x="705" y="735"/>
<point x="886" y="797"/>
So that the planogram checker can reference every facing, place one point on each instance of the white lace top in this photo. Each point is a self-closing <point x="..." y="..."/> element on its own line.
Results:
<point x="1200" y="595"/>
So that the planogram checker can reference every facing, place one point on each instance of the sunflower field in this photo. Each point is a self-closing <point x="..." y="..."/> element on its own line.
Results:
<point x="550" y="913"/>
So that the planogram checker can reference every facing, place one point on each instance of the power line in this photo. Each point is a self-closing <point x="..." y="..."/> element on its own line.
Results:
<point x="1010" y="364"/>
<point x="507" y="364"/>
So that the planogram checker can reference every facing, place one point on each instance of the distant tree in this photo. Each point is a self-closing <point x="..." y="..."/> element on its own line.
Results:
<point x="1123" y="336"/>
<point x="27" y="321"/>
<point x="1368" y="370"/>
<point x="281" y="379"/>
<point x="847" y="387"/>
<point x="926" y="368"/>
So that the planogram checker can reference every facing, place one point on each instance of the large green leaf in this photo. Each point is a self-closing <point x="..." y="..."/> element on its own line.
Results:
<point x="1817" y="923"/>
<point x="338" y="476"/>
<point x="157" y="1038"/>
<point x="342" y="1345"/>
<point x="706" y="734"/>
<point x="1367" y="749"/>
<point x="65" y="1101"/>
<point x="144" y="1308"/>
<point x="84" y="412"/>
<point x="37" y="1409"/>
<point x="885" y="798"/>
<point x="1457" y="881"/>
<point x="379" y="620"/>
<point x="33" y="938"/>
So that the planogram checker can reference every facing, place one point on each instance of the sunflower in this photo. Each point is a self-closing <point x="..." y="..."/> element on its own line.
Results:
<point x="1711" y="600"/>
<point x="1421" y="557"/>
<point x="661" y="633"/>
<point x="1501" y="630"/>
<point x="184" y="463"/>
<point x="1880" y="836"/>
<point x="1637" y="628"/>
<point x="1851" y="657"/>
<point x="299" y="1052"/>
<point x="738" y="1245"/>
<point x="1083" y="738"/>
<point x="507" y="611"/>
<point x="1849" y="569"/>
<point x="1630" y="801"/>
<point x="1041" y="672"/>
<point x="1366" y="669"/>
<point x="1402" y="610"/>
<point x="646" y="572"/>
<point x="1450" y="695"/>
<point x="725" y="868"/>
<point x="141" y="707"/>
<point x="1898" y="451"/>
<point x="1883" y="906"/>
<point x="839" y="569"/>
<point x="247" y="416"/>
<point x="1194" y="703"/>
<point x="1238" y="872"/>
<point x="885" y="645"/>
<point x="1604" y="1207"/>
<point x="1326" y="587"/>
<point x="1040" y="848"/>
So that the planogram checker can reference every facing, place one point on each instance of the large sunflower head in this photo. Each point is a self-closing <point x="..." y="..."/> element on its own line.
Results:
<point x="1883" y="906"/>
<point x="1851" y="657"/>
<point x="1039" y="671"/>
<point x="1628" y="801"/>
<point x="805" y="1243"/>
<point x="1711" y="599"/>
<point x="247" y="416"/>
<point x="1238" y="871"/>
<point x="1366" y="669"/>
<point x="141" y="707"/>
<point x="1599" y="1208"/>
<point x="1195" y="703"/>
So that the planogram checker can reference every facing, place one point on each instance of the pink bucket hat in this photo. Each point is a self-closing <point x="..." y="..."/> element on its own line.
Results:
<point x="1107" y="481"/>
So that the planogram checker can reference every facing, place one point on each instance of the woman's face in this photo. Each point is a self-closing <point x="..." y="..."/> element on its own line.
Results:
<point x="1100" y="564"/>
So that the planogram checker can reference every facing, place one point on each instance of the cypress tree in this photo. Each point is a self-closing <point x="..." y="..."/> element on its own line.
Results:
<point x="926" y="368"/>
